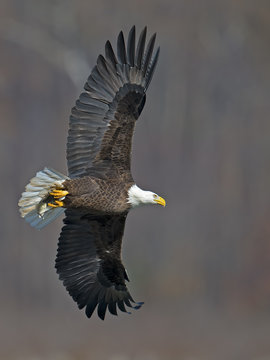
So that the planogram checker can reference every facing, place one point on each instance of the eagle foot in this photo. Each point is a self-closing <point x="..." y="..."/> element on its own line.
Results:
<point x="58" y="195"/>
<point x="56" y="204"/>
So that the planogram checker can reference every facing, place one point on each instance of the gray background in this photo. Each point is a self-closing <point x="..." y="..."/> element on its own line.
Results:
<point x="202" y="264"/>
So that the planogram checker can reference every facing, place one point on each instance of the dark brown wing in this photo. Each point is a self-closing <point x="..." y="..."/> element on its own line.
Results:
<point x="102" y="122"/>
<point x="89" y="262"/>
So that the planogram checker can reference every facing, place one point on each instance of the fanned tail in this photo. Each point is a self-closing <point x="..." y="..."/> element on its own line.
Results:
<point x="34" y="202"/>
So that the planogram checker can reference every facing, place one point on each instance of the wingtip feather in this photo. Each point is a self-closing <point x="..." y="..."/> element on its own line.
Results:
<point x="140" y="48"/>
<point x="148" y="53"/>
<point x="121" y="49"/>
<point x="131" y="46"/>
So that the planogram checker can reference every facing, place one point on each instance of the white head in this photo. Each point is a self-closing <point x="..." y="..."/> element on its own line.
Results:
<point x="137" y="197"/>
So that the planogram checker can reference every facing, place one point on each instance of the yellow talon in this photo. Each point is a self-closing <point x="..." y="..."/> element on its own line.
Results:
<point x="57" y="204"/>
<point x="57" y="194"/>
<point x="52" y="205"/>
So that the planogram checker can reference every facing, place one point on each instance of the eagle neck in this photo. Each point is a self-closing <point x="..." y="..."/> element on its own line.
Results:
<point x="137" y="196"/>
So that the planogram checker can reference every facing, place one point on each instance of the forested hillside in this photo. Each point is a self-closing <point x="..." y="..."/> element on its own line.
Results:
<point x="202" y="264"/>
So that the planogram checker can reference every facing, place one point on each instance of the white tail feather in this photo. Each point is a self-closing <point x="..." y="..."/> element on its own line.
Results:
<point x="36" y="212"/>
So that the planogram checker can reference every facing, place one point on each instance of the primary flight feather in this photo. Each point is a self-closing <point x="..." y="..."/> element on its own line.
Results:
<point x="99" y="191"/>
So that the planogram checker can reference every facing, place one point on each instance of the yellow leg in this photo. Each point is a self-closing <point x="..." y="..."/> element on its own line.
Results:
<point x="58" y="194"/>
<point x="57" y="204"/>
<point x="52" y="205"/>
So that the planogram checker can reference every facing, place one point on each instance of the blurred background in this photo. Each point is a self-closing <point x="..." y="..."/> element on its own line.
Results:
<point x="202" y="264"/>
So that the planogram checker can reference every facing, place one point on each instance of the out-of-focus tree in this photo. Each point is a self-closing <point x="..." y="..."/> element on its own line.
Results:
<point x="202" y="141"/>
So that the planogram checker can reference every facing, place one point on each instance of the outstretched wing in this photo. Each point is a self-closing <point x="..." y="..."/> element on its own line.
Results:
<point x="102" y="122"/>
<point x="89" y="262"/>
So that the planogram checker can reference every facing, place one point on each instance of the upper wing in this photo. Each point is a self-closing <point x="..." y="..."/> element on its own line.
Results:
<point x="89" y="262"/>
<point x="102" y="122"/>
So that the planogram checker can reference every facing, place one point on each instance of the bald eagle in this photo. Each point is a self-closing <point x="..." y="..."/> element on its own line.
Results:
<point x="99" y="190"/>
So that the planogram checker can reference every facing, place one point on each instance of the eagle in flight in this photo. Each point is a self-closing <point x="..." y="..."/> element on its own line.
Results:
<point x="99" y="190"/>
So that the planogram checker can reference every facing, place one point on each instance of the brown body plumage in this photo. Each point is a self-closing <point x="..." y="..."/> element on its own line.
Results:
<point x="97" y="195"/>
<point x="99" y="191"/>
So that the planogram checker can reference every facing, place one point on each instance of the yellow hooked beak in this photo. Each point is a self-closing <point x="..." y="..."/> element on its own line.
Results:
<point x="160" y="201"/>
